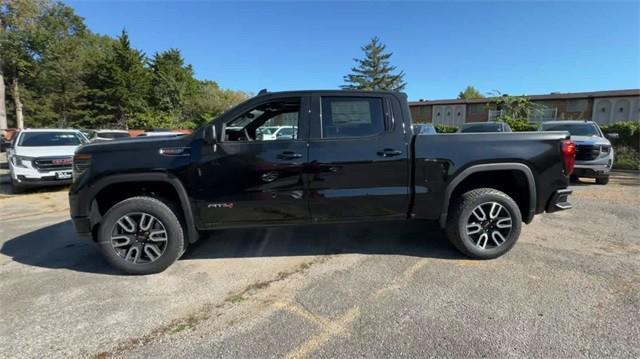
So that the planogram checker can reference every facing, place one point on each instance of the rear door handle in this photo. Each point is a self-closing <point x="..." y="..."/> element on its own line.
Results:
<point x="289" y="155"/>
<point x="389" y="152"/>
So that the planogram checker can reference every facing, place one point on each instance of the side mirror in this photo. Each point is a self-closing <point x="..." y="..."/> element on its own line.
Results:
<point x="210" y="136"/>
<point x="612" y="136"/>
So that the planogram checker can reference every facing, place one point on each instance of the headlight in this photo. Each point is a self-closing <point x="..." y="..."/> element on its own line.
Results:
<point x="21" y="161"/>
<point x="81" y="163"/>
<point x="605" y="149"/>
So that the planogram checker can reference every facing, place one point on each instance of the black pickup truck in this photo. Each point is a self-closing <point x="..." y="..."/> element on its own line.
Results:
<point x="313" y="157"/>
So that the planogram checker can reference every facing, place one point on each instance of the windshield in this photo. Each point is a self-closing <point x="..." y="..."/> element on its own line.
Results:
<point x="485" y="127"/>
<point x="424" y="129"/>
<point x="575" y="129"/>
<point x="41" y="139"/>
<point x="112" y="134"/>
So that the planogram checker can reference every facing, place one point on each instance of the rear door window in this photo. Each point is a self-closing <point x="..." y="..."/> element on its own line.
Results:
<point x="352" y="117"/>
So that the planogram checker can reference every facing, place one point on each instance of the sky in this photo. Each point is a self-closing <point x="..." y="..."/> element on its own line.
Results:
<point x="507" y="46"/>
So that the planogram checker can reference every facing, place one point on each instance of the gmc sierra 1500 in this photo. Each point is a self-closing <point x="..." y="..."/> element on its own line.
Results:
<point x="354" y="157"/>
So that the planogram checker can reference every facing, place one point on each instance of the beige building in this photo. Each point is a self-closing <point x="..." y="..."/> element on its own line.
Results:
<point x="604" y="107"/>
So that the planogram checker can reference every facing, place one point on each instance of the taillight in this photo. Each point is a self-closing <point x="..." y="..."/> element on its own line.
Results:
<point x="569" y="156"/>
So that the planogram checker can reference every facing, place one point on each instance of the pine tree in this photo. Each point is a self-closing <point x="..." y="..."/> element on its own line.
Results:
<point x="374" y="72"/>
<point x="173" y="87"/>
<point x="120" y="84"/>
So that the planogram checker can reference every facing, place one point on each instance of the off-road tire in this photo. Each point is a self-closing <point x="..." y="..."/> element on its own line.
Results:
<point x="461" y="210"/>
<point x="163" y="212"/>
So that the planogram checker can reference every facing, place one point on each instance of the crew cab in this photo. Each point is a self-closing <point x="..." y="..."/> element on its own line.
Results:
<point x="42" y="157"/>
<point x="354" y="157"/>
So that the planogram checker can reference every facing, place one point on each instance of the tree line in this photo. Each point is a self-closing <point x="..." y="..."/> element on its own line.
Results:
<point x="54" y="72"/>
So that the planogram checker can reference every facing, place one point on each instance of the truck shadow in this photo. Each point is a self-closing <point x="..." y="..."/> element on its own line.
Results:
<point x="57" y="246"/>
<point x="410" y="238"/>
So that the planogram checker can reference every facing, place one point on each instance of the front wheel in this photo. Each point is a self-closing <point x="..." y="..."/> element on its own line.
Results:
<point x="141" y="235"/>
<point x="485" y="223"/>
<point x="602" y="180"/>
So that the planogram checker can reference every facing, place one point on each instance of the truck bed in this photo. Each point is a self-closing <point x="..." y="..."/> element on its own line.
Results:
<point x="440" y="158"/>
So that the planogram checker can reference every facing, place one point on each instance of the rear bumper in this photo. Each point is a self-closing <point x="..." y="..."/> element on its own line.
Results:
<point x="559" y="201"/>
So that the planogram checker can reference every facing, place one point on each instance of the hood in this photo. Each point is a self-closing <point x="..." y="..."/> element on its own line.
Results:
<point x="133" y="144"/>
<point x="45" y="151"/>
<point x="590" y="140"/>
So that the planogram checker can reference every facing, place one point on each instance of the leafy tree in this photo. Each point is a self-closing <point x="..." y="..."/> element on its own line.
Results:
<point x="20" y="21"/>
<point x="374" y="72"/>
<point x="514" y="110"/>
<point x="469" y="93"/>
<point x="213" y="101"/>
<point x="64" y="75"/>
<point x="58" y="82"/>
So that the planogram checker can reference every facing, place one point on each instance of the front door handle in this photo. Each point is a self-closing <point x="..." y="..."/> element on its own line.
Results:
<point x="389" y="152"/>
<point x="289" y="155"/>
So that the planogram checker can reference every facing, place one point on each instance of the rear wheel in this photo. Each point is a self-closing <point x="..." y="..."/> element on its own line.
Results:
<point x="485" y="223"/>
<point x="141" y="235"/>
<point x="602" y="180"/>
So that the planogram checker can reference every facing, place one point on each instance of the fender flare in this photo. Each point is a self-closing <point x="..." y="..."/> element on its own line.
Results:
<point x="192" y="232"/>
<point x="521" y="167"/>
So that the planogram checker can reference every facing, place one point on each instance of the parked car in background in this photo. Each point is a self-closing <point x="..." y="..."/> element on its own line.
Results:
<point x="280" y="133"/>
<point x="160" y="134"/>
<point x="6" y="135"/>
<point x="484" y="127"/>
<point x="87" y="133"/>
<point x="355" y="163"/>
<point x="108" y="135"/>
<point x="594" y="153"/>
<point x="4" y="142"/>
<point x="424" y="129"/>
<point x="43" y="157"/>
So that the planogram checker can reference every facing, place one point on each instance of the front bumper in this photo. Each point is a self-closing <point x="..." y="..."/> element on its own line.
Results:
<point x="591" y="171"/>
<point x="595" y="168"/>
<point x="559" y="201"/>
<point x="30" y="177"/>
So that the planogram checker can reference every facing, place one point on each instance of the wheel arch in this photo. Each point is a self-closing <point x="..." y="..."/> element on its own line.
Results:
<point x="145" y="178"/>
<point x="468" y="172"/>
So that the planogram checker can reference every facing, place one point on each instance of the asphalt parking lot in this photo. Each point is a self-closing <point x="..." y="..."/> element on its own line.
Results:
<point x="569" y="288"/>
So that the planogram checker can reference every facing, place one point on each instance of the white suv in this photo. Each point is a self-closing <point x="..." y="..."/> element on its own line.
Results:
<point x="42" y="157"/>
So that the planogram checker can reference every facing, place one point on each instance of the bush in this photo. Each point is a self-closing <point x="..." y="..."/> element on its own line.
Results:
<point x="626" y="158"/>
<point x="518" y="124"/>
<point x="446" y="128"/>
<point x="629" y="132"/>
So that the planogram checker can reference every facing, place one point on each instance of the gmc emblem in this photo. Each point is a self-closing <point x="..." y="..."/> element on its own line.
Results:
<point x="64" y="161"/>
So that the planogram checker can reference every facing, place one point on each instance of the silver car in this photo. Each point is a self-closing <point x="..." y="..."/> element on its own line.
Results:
<point x="594" y="153"/>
